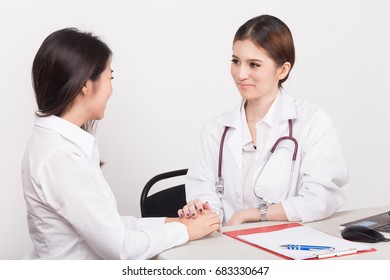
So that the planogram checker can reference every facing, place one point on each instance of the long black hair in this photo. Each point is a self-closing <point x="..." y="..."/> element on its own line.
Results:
<point x="66" y="60"/>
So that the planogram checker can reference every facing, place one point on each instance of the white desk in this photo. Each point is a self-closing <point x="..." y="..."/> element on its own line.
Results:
<point x="221" y="247"/>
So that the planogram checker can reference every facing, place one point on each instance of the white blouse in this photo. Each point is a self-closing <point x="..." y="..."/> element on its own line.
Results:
<point x="252" y="151"/>
<point x="72" y="212"/>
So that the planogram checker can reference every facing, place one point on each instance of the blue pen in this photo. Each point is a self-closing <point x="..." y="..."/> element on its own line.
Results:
<point x="306" y="247"/>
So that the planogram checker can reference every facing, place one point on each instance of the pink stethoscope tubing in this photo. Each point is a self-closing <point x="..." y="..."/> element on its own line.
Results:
<point x="219" y="185"/>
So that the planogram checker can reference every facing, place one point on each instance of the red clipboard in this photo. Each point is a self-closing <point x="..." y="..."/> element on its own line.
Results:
<point x="235" y="233"/>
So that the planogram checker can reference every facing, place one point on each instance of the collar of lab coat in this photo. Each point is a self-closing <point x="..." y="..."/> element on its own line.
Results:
<point x="283" y="108"/>
<point x="70" y="131"/>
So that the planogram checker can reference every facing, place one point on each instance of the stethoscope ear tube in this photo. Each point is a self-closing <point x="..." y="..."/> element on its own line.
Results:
<point x="221" y="152"/>
<point x="289" y="137"/>
<point x="219" y="185"/>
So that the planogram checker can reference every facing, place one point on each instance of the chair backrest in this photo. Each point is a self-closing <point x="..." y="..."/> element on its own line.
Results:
<point x="164" y="203"/>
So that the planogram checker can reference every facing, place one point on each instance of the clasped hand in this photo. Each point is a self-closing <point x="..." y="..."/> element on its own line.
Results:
<point x="196" y="207"/>
<point x="193" y="208"/>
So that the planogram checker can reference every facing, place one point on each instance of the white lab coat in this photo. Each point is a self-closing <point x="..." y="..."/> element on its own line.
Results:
<point x="320" y="169"/>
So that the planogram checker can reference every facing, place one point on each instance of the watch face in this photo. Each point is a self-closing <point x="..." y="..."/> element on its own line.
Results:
<point x="263" y="207"/>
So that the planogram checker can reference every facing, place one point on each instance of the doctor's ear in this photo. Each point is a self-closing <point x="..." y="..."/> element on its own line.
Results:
<point x="284" y="70"/>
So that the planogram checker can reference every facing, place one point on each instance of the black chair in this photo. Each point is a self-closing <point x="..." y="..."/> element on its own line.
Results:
<point x="164" y="203"/>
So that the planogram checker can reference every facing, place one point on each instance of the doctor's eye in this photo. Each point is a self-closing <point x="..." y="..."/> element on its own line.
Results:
<point x="254" y="65"/>
<point x="235" y="61"/>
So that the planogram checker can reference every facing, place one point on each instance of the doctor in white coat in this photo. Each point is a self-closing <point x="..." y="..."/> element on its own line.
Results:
<point x="254" y="185"/>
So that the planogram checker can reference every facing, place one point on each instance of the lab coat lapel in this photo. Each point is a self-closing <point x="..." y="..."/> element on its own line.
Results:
<point x="234" y="136"/>
<point x="235" y="147"/>
<point x="285" y="109"/>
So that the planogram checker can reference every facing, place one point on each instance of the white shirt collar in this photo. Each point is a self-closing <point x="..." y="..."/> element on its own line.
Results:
<point x="70" y="131"/>
<point x="246" y="134"/>
<point x="270" y="117"/>
<point x="283" y="108"/>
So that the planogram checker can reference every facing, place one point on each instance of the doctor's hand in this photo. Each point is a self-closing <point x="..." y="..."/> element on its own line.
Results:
<point x="203" y="225"/>
<point x="244" y="216"/>
<point x="193" y="208"/>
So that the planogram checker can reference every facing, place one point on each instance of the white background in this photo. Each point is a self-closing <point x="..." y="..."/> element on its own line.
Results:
<point x="172" y="73"/>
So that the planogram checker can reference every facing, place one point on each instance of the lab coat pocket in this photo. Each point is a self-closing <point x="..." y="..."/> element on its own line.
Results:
<point x="273" y="183"/>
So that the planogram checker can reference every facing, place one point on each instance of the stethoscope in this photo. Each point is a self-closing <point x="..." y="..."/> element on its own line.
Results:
<point x="219" y="185"/>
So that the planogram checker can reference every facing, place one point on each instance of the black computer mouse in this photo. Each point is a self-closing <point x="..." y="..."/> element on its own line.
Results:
<point x="362" y="234"/>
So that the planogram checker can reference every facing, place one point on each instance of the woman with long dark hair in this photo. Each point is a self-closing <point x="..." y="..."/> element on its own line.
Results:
<point x="72" y="212"/>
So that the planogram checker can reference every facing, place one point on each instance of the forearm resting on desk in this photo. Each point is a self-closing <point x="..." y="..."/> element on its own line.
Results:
<point x="275" y="213"/>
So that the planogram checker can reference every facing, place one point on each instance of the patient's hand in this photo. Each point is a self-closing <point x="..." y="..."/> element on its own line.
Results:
<point x="203" y="225"/>
<point x="193" y="208"/>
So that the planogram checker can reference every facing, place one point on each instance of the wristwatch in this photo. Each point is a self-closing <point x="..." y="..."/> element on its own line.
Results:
<point x="263" y="207"/>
